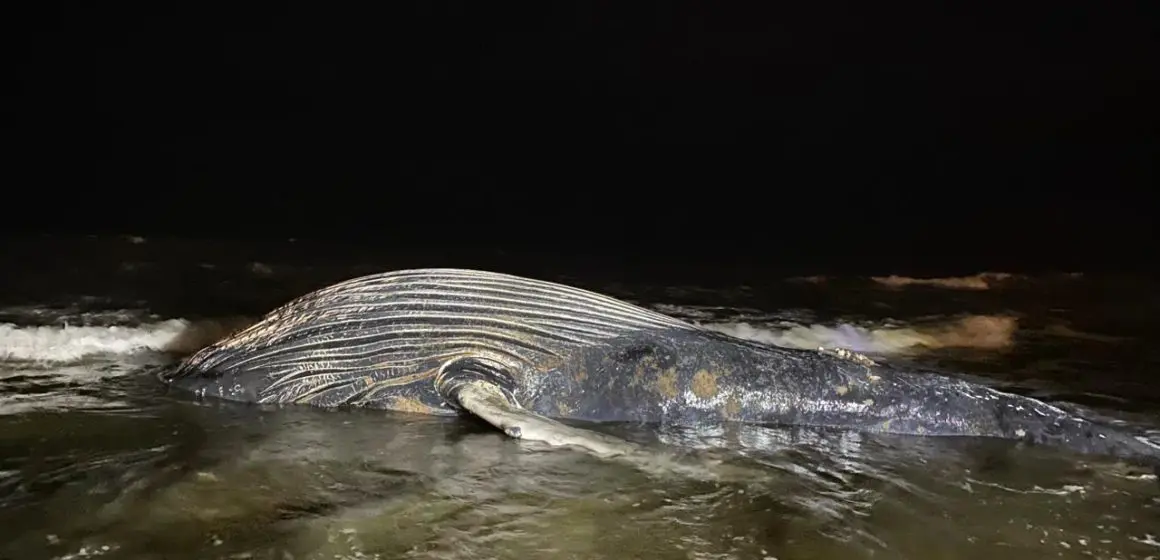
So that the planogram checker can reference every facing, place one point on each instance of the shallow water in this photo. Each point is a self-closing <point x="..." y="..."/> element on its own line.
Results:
<point x="98" y="459"/>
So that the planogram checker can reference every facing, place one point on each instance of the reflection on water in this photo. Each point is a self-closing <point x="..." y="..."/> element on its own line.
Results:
<point x="182" y="480"/>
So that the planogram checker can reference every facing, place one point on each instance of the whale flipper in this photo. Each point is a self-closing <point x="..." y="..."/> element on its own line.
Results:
<point x="482" y="388"/>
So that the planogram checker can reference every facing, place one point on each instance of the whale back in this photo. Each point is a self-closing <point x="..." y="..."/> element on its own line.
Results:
<point x="378" y="340"/>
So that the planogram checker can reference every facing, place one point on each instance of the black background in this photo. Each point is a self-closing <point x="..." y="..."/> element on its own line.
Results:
<point x="978" y="135"/>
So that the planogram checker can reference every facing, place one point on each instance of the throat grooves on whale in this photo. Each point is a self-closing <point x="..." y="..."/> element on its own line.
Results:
<point x="379" y="332"/>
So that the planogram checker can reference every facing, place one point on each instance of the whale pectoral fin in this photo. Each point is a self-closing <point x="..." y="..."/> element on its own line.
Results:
<point x="480" y="388"/>
<point x="489" y="403"/>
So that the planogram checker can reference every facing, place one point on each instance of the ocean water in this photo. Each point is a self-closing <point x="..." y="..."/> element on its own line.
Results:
<point x="97" y="459"/>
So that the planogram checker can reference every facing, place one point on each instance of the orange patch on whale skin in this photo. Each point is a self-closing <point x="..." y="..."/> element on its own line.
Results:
<point x="704" y="384"/>
<point x="666" y="383"/>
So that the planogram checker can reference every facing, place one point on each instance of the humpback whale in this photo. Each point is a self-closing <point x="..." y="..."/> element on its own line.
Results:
<point x="524" y="355"/>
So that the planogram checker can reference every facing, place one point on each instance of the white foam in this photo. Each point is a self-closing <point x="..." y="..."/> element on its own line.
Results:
<point x="976" y="331"/>
<point x="52" y="344"/>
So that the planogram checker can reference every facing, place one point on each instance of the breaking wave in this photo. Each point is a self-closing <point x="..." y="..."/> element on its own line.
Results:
<point x="981" y="281"/>
<point x="55" y="344"/>
<point x="985" y="332"/>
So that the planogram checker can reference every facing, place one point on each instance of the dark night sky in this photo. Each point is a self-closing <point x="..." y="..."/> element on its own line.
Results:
<point x="849" y="128"/>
